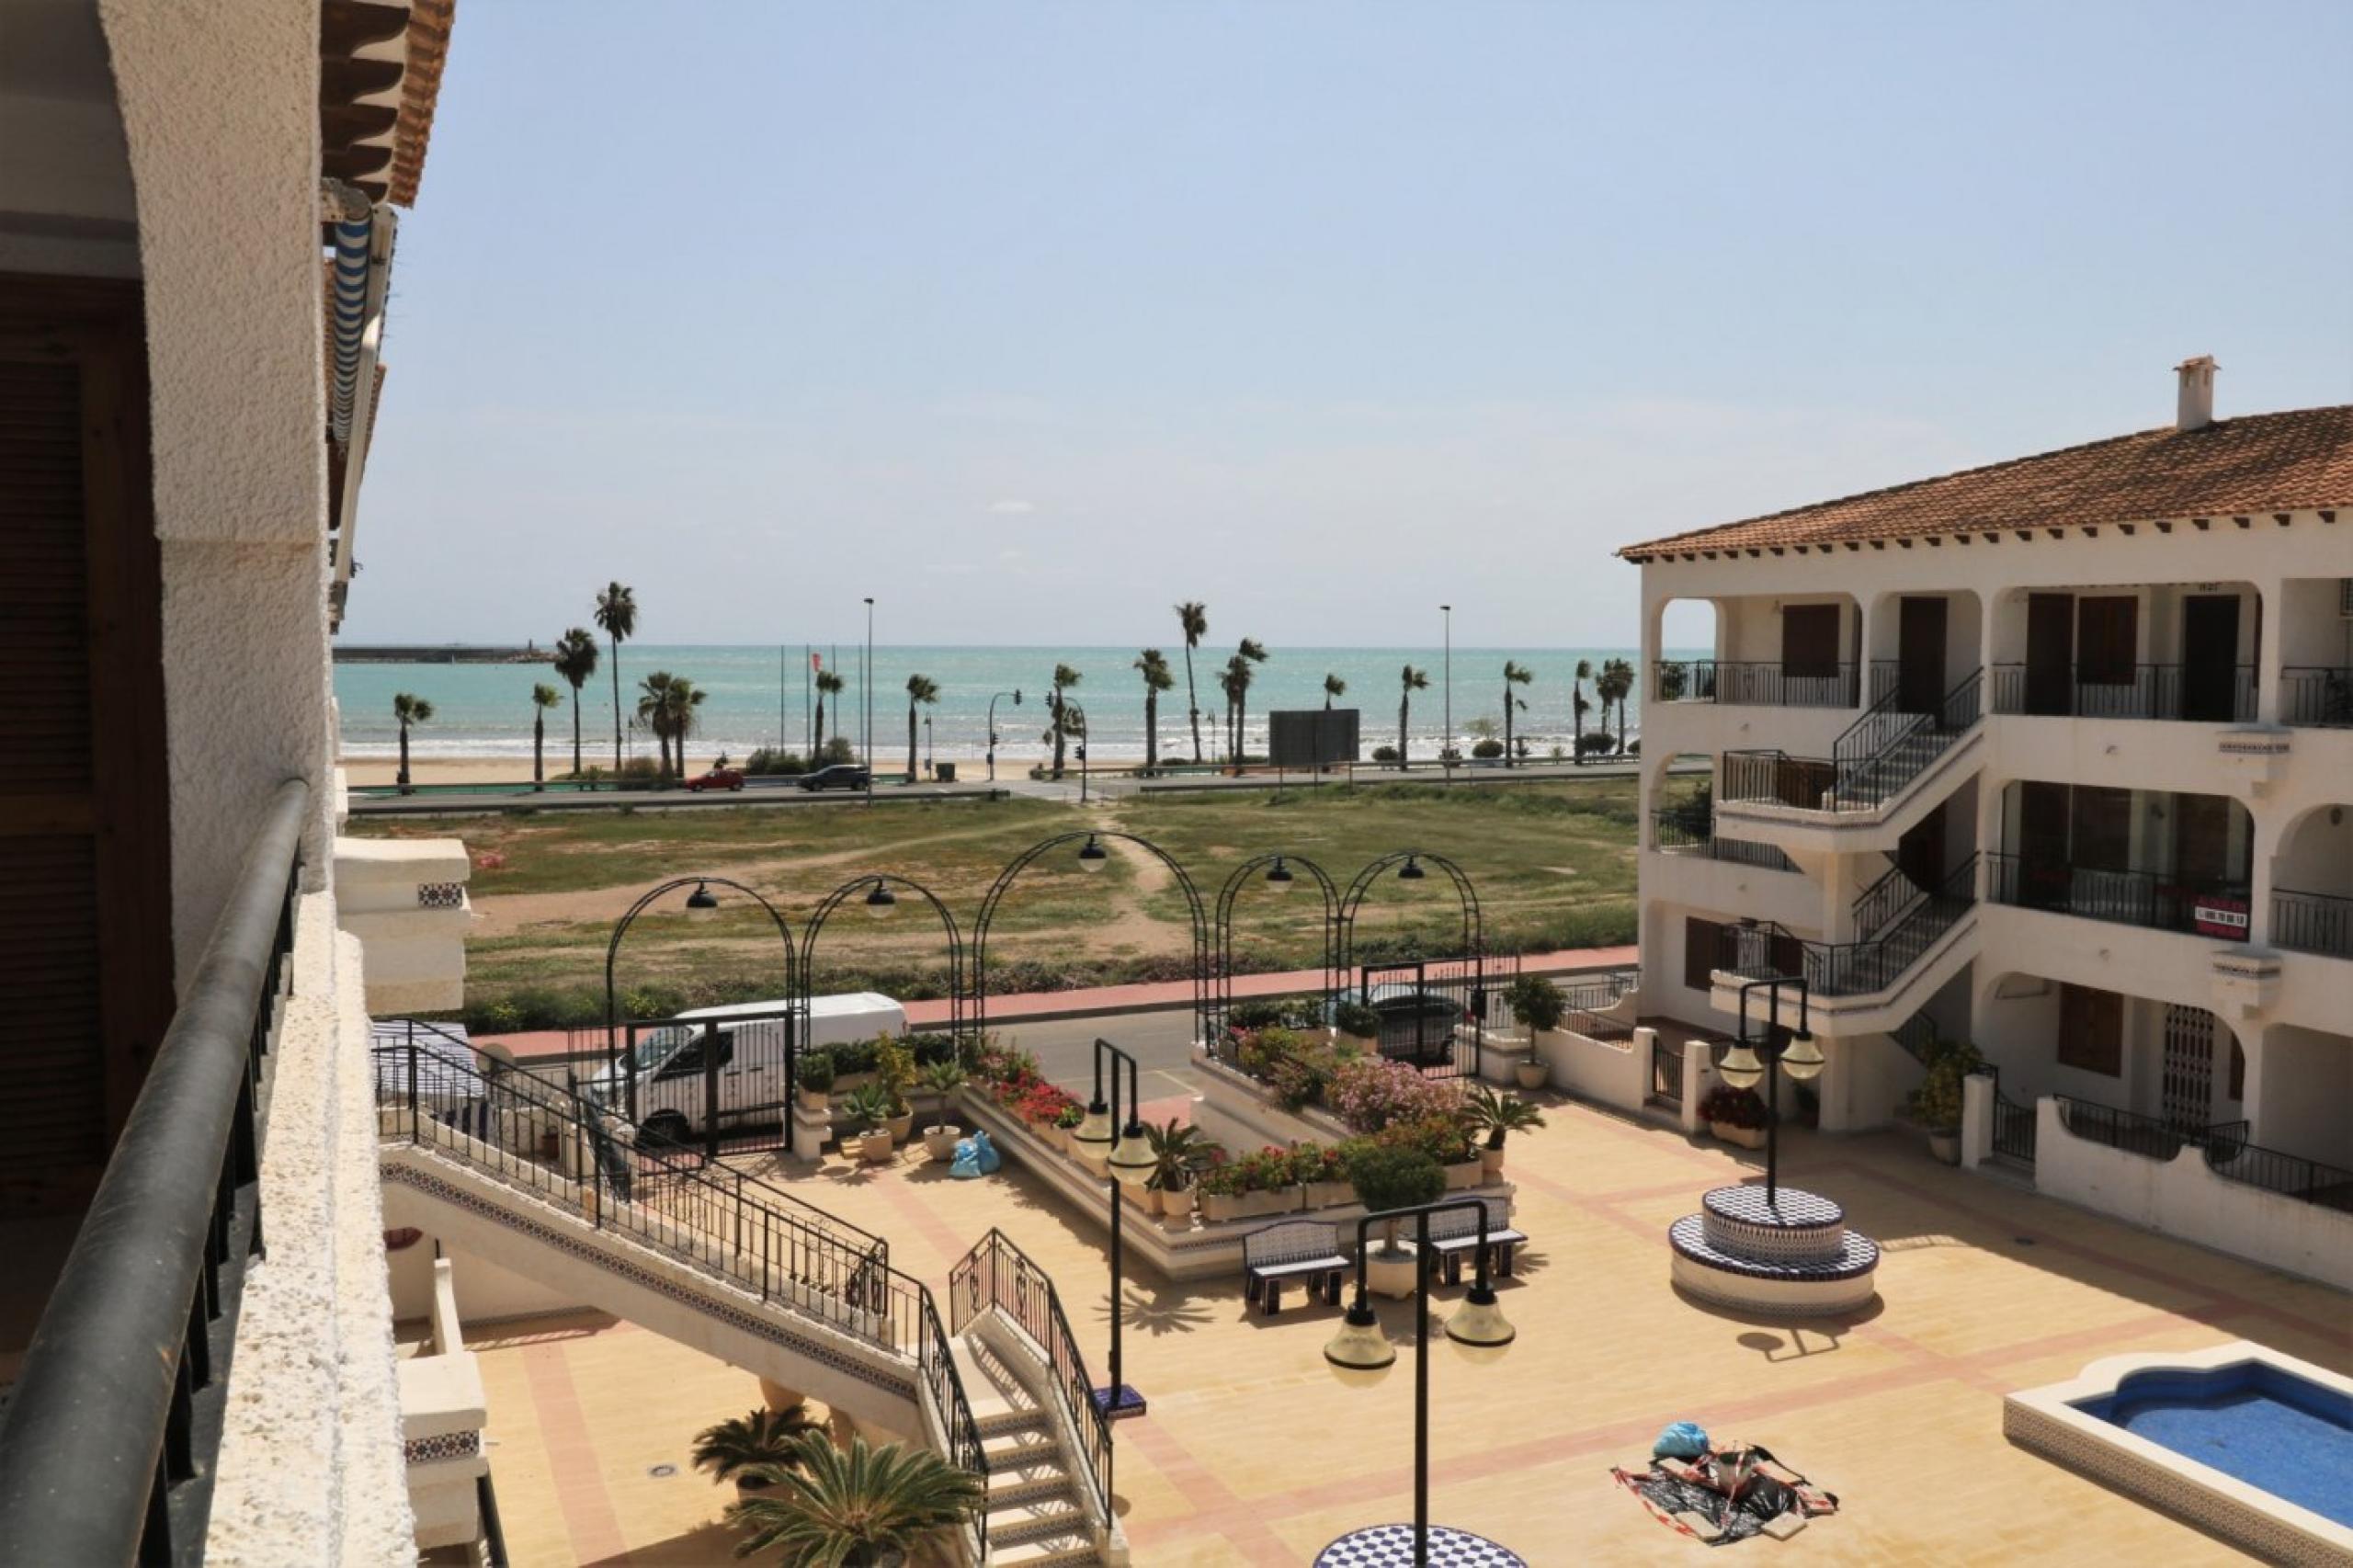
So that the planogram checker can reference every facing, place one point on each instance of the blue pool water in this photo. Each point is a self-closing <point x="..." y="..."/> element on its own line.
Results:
<point x="2254" y="1422"/>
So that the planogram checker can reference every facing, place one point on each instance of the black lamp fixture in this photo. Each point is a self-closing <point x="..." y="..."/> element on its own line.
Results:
<point x="1092" y="855"/>
<point x="1411" y="871"/>
<point x="1278" y="879"/>
<point x="880" y="902"/>
<point x="702" y="901"/>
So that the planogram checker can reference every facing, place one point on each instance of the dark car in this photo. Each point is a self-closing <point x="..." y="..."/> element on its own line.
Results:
<point x="840" y="776"/>
<point x="717" y="779"/>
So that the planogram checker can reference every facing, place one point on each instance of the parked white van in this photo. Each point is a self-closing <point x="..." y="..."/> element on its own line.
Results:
<point x="749" y="1039"/>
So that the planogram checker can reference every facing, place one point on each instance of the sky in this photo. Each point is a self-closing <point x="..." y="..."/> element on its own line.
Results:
<point x="1030" y="320"/>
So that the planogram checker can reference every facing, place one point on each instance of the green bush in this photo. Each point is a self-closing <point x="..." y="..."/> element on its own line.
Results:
<point x="815" y="1071"/>
<point x="1384" y="754"/>
<point x="1596" y="742"/>
<point x="1488" y="749"/>
<point x="773" y="761"/>
<point x="1388" y="1177"/>
<point x="1535" y="1001"/>
<point x="1356" y="1019"/>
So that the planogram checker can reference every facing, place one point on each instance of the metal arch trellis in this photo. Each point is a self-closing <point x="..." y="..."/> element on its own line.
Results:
<point x="1021" y="862"/>
<point x="1221" y="1001"/>
<point x="1472" y="955"/>
<point x="620" y="929"/>
<point x="868" y="884"/>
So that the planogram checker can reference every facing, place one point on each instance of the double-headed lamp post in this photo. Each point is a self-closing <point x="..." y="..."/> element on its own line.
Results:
<point x="1746" y="1065"/>
<point x="1127" y="1161"/>
<point x="1016" y="695"/>
<point x="1360" y="1352"/>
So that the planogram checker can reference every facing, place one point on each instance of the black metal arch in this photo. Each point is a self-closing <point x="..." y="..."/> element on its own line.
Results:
<point x="1221" y="1001"/>
<point x="1021" y="862"/>
<point x="867" y="883"/>
<point x="620" y="929"/>
<point x="1466" y="895"/>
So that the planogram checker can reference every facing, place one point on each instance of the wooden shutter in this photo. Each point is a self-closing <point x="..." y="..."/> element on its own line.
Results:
<point x="2106" y="633"/>
<point x="85" y="960"/>
<point x="1810" y="641"/>
<point x="1701" y="938"/>
<point x="2091" y="1029"/>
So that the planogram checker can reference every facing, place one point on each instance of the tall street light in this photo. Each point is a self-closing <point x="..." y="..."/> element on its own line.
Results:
<point x="1446" y="747"/>
<point x="1069" y="708"/>
<point x="1016" y="695"/>
<point x="1746" y="1065"/>
<point x="1127" y="1161"/>
<point x="1360" y="1352"/>
<point x="866" y="744"/>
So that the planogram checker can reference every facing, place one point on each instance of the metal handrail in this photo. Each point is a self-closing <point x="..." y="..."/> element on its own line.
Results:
<point x="2232" y="1157"/>
<point x="1854" y="969"/>
<point x="1763" y="683"/>
<point x="106" y="1453"/>
<point x="1863" y="756"/>
<point x="2153" y="901"/>
<point x="2316" y="696"/>
<point x="1891" y="896"/>
<point x="2312" y="922"/>
<point x="997" y="1273"/>
<point x="2124" y="691"/>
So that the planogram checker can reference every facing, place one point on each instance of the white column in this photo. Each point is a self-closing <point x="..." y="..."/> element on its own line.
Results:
<point x="1698" y="1077"/>
<point x="1977" y="1119"/>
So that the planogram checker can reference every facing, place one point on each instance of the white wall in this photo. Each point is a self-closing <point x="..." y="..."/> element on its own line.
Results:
<point x="2300" y="1093"/>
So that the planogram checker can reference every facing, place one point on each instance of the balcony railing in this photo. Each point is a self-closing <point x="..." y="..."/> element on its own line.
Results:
<point x="2316" y="696"/>
<point x="1756" y="683"/>
<point x="1681" y="829"/>
<point x="1766" y="949"/>
<point x="109" y="1445"/>
<point x="1875" y="760"/>
<point x="2220" y="694"/>
<point x="2313" y="923"/>
<point x="2153" y="901"/>
<point x="2223" y="1144"/>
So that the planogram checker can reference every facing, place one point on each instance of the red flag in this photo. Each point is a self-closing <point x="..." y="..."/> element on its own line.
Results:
<point x="816" y="661"/>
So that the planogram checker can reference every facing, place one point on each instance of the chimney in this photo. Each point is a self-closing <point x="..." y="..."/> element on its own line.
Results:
<point x="2195" y="409"/>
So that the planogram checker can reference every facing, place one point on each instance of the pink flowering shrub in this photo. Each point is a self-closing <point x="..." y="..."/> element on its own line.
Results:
<point x="1369" y="1095"/>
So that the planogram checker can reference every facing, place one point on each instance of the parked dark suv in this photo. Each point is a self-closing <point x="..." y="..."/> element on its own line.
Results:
<point x="840" y="776"/>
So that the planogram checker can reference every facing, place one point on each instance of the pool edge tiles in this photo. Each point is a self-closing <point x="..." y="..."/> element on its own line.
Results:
<point x="2049" y="1421"/>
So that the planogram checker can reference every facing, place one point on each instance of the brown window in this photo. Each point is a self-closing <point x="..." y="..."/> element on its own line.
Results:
<point x="2238" y="1070"/>
<point x="1700" y="947"/>
<point x="2091" y="1029"/>
<point x="2106" y="631"/>
<point x="2103" y="828"/>
<point x="1810" y="639"/>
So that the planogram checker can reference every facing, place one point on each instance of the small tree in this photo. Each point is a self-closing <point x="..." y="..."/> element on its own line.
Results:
<point x="922" y="690"/>
<point x="1385" y="1178"/>
<point x="407" y="710"/>
<point x="1514" y="675"/>
<point x="1536" y="1001"/>
<point x="544" y="696"/>
<point x="1410" y="680"/>
<point x="1495" y="1115"/>
<point x="860" y="1508"/>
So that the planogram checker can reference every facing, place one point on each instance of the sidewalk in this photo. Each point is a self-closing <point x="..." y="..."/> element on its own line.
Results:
<point x="1101" y="1001"/>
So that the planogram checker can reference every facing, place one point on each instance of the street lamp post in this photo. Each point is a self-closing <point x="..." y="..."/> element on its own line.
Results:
<point x="1446" y="747"/>
<point x="1360" y="1352"/>
<point x="1016" y="695"/>
<point x="1797" y="1055"/>
<point x="1128" y="1162"/>
<point x="1069" y="708"/>
<point x="929" y="767"/>
<point x="866" y="680"/>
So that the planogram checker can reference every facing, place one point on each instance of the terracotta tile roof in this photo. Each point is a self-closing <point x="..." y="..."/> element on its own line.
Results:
<point x="428" y="51"/>
<point x="2261" y="462"/>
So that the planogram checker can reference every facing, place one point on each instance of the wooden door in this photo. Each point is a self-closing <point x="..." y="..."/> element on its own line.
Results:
<point x="85" y="951"/>
<point x="2201" y="842"/>
<point x="1810" y="641"/>
<point x="1921" y="852"/>
<point x="2210" y="657"/>
<point x="2041" y="845"/>
<point x="2107" y="647"/>
<point x="2049" y="654"/>
<point x="1920" y="670"/>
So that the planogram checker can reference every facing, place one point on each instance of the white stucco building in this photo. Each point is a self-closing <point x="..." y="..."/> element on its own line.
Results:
<point x="2054" y="756"/>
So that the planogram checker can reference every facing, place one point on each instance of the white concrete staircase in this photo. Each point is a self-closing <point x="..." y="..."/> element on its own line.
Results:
<point x="1035" y="1517"/>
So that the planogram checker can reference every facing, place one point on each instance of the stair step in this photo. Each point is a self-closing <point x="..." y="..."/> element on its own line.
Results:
<point x="997" y="1398"/>
<point x="1044" y="1552"/>
<point x="1038" y="1482"/>
<point x="1025" y="1443"/>
<point x="1032" y="1520"/>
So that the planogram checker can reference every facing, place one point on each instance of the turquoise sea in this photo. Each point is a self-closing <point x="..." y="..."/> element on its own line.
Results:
<point x="758" y="696"/>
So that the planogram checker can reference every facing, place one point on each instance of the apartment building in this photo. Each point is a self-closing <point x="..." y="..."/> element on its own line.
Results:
<point x="2054" y="756"/>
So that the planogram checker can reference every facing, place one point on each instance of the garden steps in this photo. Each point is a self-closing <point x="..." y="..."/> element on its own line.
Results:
<point x="999" y="1401"/>
<point x="1045" y="1551"/>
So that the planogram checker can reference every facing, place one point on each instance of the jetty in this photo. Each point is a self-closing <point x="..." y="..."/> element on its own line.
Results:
<point x="440" y="654"/>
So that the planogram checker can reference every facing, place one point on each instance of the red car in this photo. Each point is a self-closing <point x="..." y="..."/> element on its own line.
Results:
<point x="717" y="779"/>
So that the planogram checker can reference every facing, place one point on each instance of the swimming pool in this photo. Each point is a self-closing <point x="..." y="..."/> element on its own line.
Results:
<point x="2252" y="1444"/>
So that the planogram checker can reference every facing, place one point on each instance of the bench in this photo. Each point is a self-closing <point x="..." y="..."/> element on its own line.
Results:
<point x="1297" y="1249"/>
<point x="1456" y="1234"/>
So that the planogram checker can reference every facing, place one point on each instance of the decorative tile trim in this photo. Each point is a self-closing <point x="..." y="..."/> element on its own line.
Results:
<point x="760" y="1326"/>
<point x="1859" y="1256"/>
<point x="440" y="895"/>
<point x="443" y="1446"/>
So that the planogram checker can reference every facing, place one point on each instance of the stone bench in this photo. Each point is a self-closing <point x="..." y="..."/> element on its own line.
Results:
<point x="1455" y="1236"/>
<point x="1296" y="1249"/>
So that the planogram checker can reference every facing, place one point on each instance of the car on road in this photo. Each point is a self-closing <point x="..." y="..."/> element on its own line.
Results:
<point x="840" y="776"/>
<point x="666" y="1076"/>
<point x="717" y="779"/>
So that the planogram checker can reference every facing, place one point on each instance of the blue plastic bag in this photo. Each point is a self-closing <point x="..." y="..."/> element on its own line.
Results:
<point x="1683" y="1441"/>
<point x="975" y="1156"/>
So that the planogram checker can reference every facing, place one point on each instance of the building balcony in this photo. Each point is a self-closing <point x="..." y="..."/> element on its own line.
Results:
<point x="1679" y="830"/>
<point x="2213" y="694"/>
<point x="2153" y="901"/>
<point x="1759" y="683"/>
<point x="2316" y="696"/>
<point x="2312" y="923"/>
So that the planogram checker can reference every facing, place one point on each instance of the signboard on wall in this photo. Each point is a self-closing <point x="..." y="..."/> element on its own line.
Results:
<point x="2213" y="914"/>
<point x="1311" y="738"/>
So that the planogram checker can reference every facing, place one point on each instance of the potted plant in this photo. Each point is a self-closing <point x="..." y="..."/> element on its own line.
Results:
<point x="1495" y="1115"/>
<point x="813" y="1080"/>
<point x="1935" y="1105"/>
<point x="943" y="1078"/>
<point x="863" y="1508"/>
<point x="1249" y="1186"/>
<point x="749" y="1450"/>
<point x="1387" y="1178"/>
<point x="1322" y="1170"/>
<point x="1358" y="1021"/>
<point x="1179" y="1153"/>
<point x="1736" y="1116"/>
<point x="1065" y="1124"/>
<point x="894" y="1073"/>
<point x="869" y="1109"/>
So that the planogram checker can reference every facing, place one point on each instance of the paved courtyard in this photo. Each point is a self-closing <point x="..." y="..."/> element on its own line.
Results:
<point x="1254" y="1453"/>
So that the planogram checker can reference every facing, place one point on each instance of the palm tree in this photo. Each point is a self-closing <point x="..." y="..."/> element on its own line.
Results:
<point x="1514" y="675"/>
<point x="544" y="696"/>
<point x="1333" y="687"/>
<point x="734" y="1449"/>
<point x="855" y="1509"/>
<point x="1411" y="680"/>
<point x="1157" y="678"/>
<point x="678" y="708"/>
<point x="407" y="710"/>
<point x="575" y="660"/>
<point x="1251" y="652"/>
<point x="1615" y="684"/>
<point x="1194" y="617"/>
<point x="1235" y="681"/>
<point x="653" y="707"/>
<point x="1064" y="678"/>
<point x="616" y="613"/>
<point x="828" y="684"/>
<point x="920" y="690"/>
<point x="1577" y="707"/>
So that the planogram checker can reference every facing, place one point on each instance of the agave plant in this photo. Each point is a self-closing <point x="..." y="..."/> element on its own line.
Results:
<point x="867" y="1508"/>
<point x="743" y="1448"/>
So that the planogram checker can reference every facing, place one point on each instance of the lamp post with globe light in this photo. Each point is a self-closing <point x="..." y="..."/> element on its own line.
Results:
<point x="1127" y="1160"/>
<point x="1016" y="695"/>
<point x="1749" y="1063"/>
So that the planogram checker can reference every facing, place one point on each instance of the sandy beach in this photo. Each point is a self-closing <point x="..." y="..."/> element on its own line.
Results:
<point x="362" y="771"/>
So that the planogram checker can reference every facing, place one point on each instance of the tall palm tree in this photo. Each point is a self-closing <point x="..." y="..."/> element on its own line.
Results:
<point x="1064" y="678"/>
<point x="855" y="1509"/>
<point x="1615" y="684"/>
<point x="1157" y="678"/>
<point x="1577" y="707"/>
<point x="1194" y="617"/>
<point x="1411" y="680"/>
<point x="575" y="660"/>
<point x="920" y="690"/>
<point x="679" y="707"/>
<point x="1235" y="681"/>
<point x="407" y="710"/>
<point x="1514" y="675"/>
<point x="616" y="614"/>
<point x="653" y="707"/>
<point x="829" y="684"/>
<point x="1333" y="687"/>
<point x="1251" y="652"/>
<point x="544" y="696"/>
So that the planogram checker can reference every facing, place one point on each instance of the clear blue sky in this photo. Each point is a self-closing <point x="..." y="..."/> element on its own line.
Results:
<point x="1030" y="320"/>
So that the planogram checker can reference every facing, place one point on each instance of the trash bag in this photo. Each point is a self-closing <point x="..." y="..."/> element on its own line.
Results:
<point x="1683" y="1441"/>
<point x="975" y="1156"/>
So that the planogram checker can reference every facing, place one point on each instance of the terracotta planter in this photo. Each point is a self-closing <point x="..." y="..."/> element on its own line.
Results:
<point x="875" y="1148"/>
<point x="1945" y="1146"/>
<point x="1491" y="1164"/>
<point x="939" y="1142"/>
<point x="1470" y="1172"/>
<point x="1533" y="1074"/>
<point x="1740" y="1137"/>
<point x="1216" y="1208"/>
<point x="1329" y="1194"/>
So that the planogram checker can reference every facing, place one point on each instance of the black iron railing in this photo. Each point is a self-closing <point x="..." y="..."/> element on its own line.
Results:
<point x="1915" y="1036"/>
<point x="1882" y="752"/>
<point x="2313" y="922"/>
<point x="1880" y="902"/>
<point x="1678" y="828"/>
<point x="2219" y="694"/>
<point x="2014" y="1126"/>
<point x="2316" y="696"/>
<point x="1594" y="1025"/>
<point x="108" y="1448"/>
<point x="1682" y="826"/>
<point x="1760" y="683"/>
<point x="1765" y="949"/>
<point x="998" y="1274"/>
<point x="1666" y="1070"/>
<point x="493" y="1532"/>
<point x="2151" y="1137"/>
<point x="2231" y="1156"/>
<point x="2147" y="898"/>
<point x="1775" y="777"/>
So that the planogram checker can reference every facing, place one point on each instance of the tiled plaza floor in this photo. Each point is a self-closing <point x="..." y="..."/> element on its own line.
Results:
<point x="1255" y="1454"/>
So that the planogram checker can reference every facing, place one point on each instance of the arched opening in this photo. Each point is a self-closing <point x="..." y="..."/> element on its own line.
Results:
<point x="1291" y="895"/>
<point x="2140" y="1057"/>
<point x="2156" y="858"/>
<point x="1418" y="964"/>
<point x="1685" y="646"/>
<point x="2311" y="883"/>
<point x="1088" y="854"/>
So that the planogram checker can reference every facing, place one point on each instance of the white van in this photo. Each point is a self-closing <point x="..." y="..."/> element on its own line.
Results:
<point x="750" y="1039"/>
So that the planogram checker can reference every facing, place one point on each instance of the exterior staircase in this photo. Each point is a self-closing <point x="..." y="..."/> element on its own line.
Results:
<point x="1873" y="786"/>
<point x="1865" y="987"/>
<point x="1035" y="1518"/>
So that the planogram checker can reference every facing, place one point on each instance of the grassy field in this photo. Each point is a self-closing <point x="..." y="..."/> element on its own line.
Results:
<point x="1552" y="866"/>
